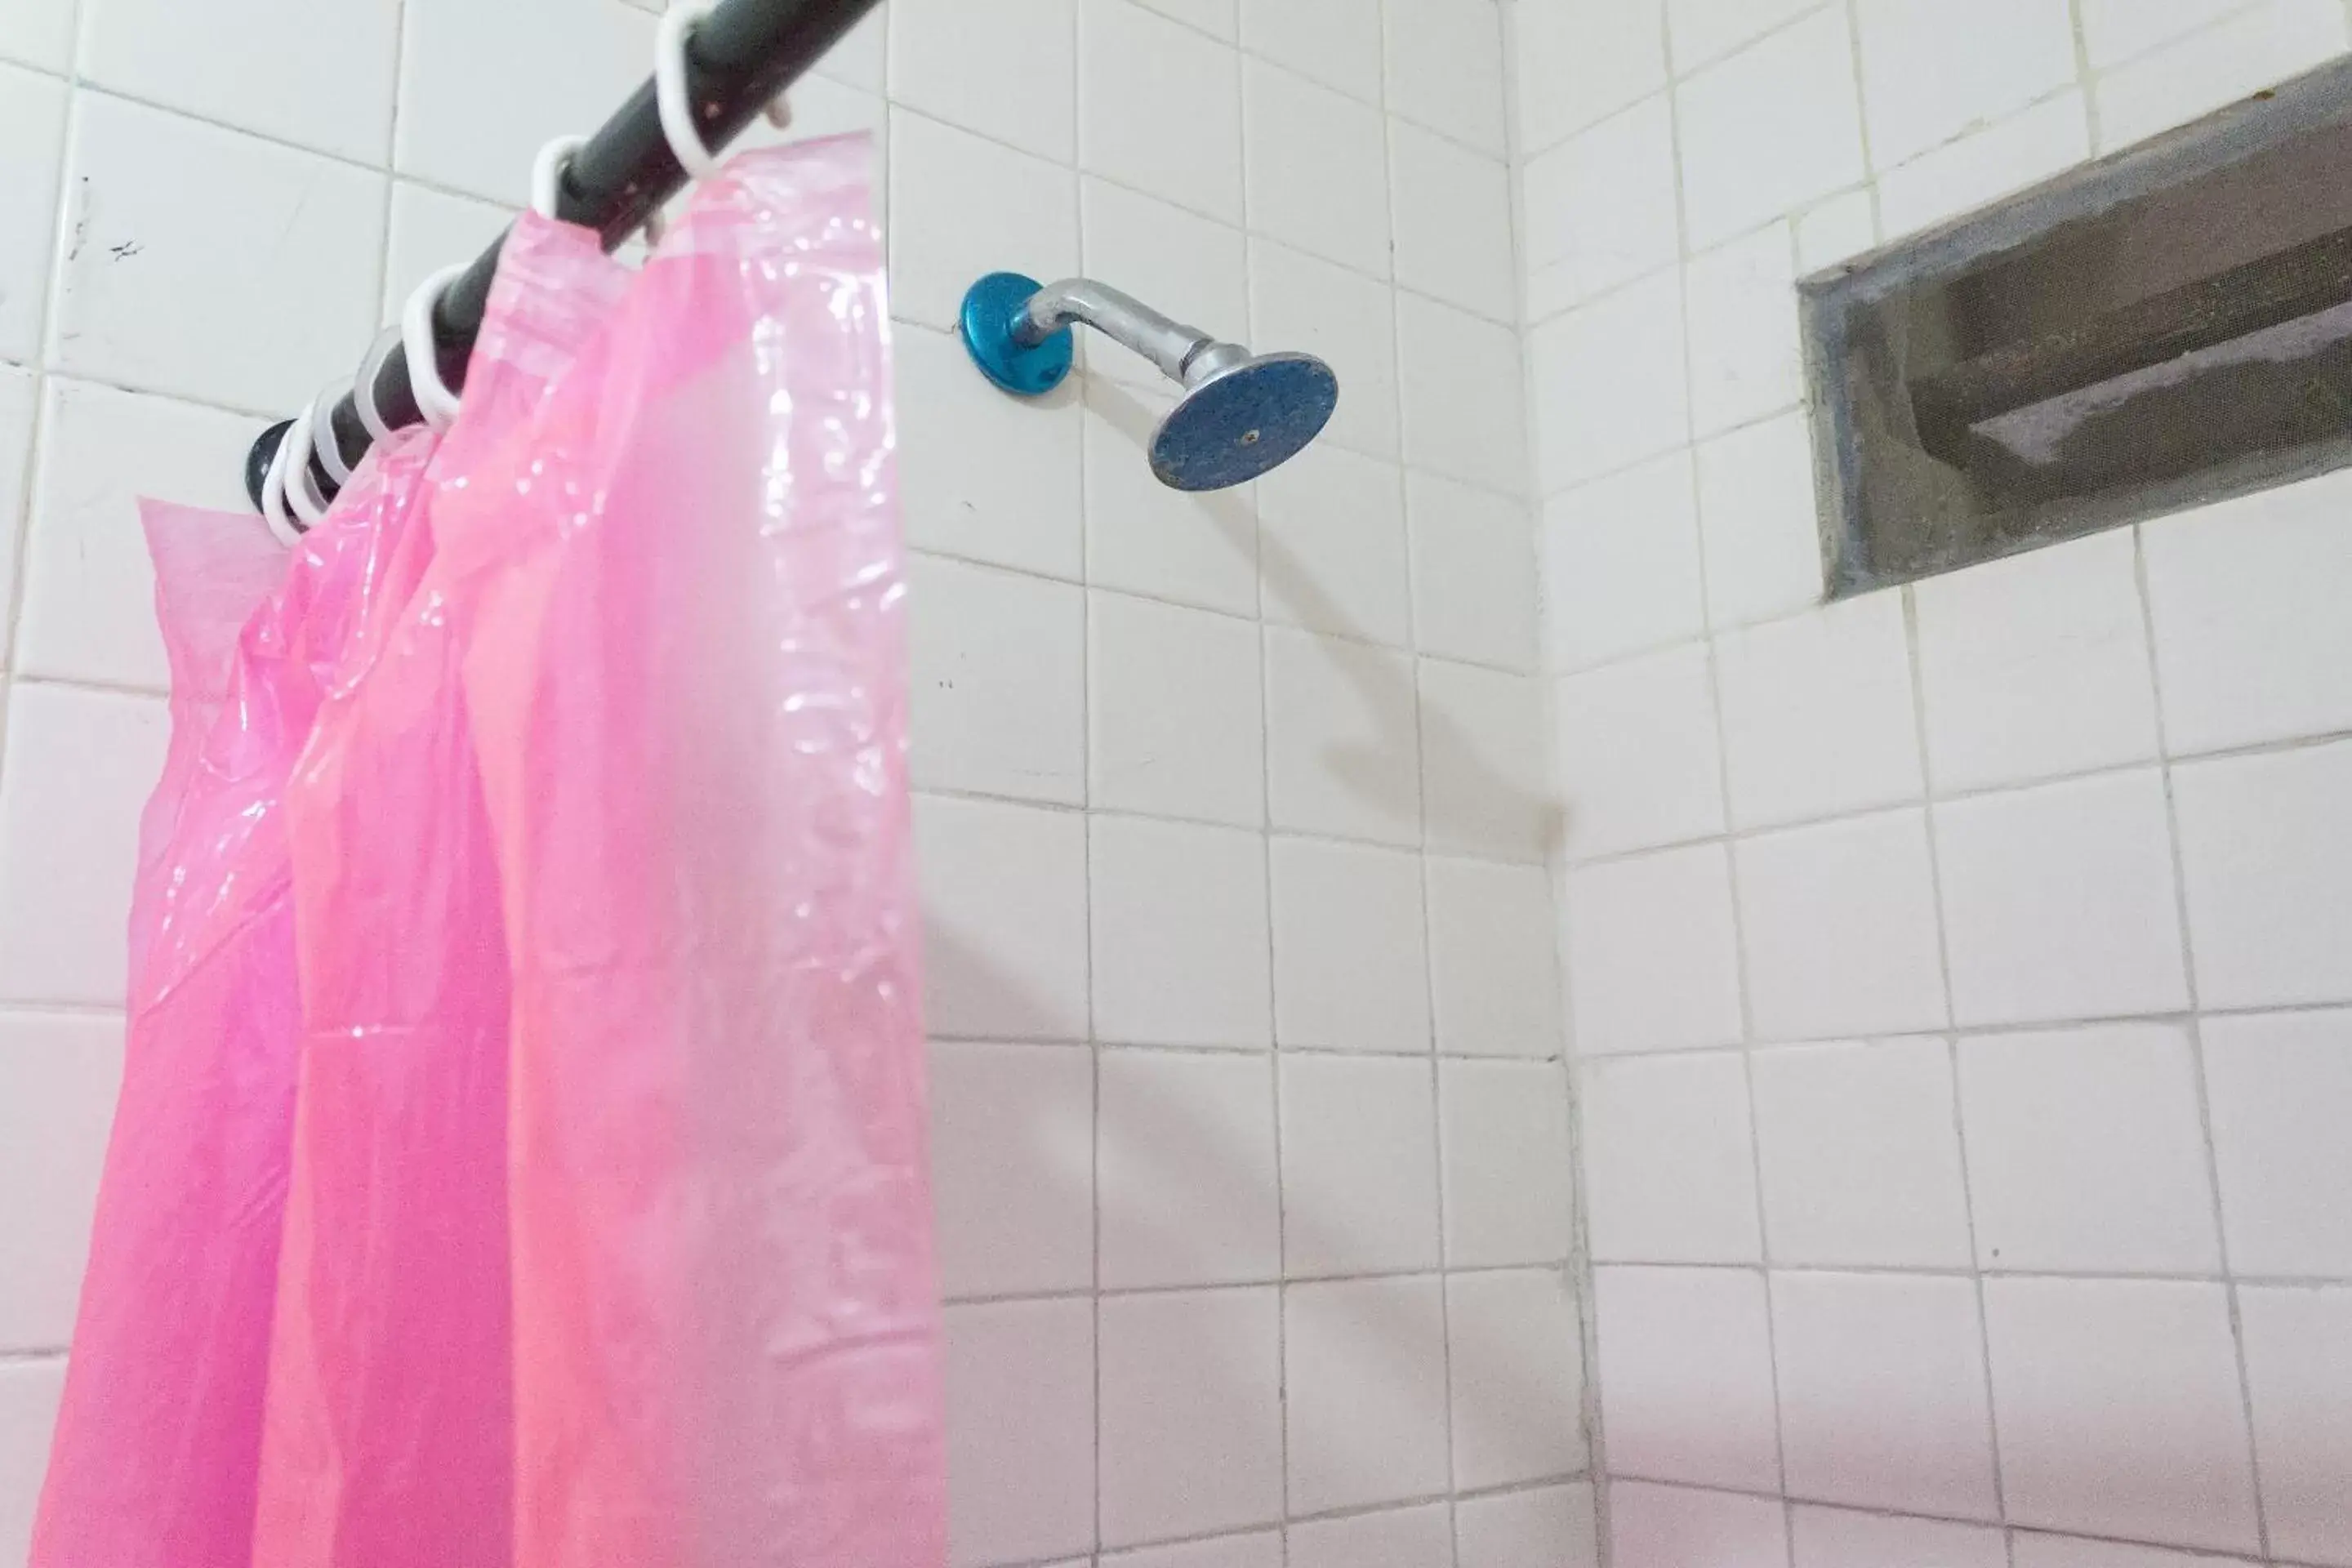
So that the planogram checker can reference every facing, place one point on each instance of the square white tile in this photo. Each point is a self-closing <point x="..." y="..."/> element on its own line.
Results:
<point x="950" y="59"/>
<point x="1653" y="953"/>
<point x="1021" y="1430"/>
<point x="1350" y="961"/>
<point x="1639" y="762"/>
<point x="2259" y="46"/>
<point x="2267" y="859"/>
<point x="1364" y="1386"/>
<point x="2115" y="30"/>
<point x="1484" y="769"/>
<point x="1611" y="387"/>
<point x="1185" y="1158"/>
<point x="29" y="1391"/>
<point x="80" y="768"/>
<point x="1494" y="964"/>
<point x="1172" y="711"/>
<point x="1859" y="1149"/>
<point x="1744" y="353"/>
<point x="470" y="121"/>
<point x="59" y="1078"/>
<point x="2245" y="596"/>
<point x="2087" y="1151"/>
<point x="2119" y="1410"/>
<point x="1833" y="1538"/>
<point x="1931" y="72"/>
<point x="1334" y="42"/>
<point x="2280" y="1087"/>
<point x="1837" y="1539"/>
<point x="2299" y="1370"/>
<point x="1510" y="1175"/>
<point x="1012" y="1168"/>
<point x="1139" y="74"/>
<point x="1686" y="1376"/>
<point x="962" y="206"/>
<point x="2060" y="901"/>
<point x="1258" y="1549"/>
<point x="1445" y="69"/>
<point x="2035" y="1550"/>
<point x="1578" y="59"/>
<point x="1318" y="167"/>
<point x="1463" y="407"/>
<point x="1347" y="318"/>
<point x="1836" y="229"/>
<point x="1551" y="1527"/>
<point x="1143" y="536"/>
<point x="317" y="73"/>
<point x="1005" y="920"/>
<point x="1391" y="1538"/>
<point x="38" y="33"/>
<point x="1473" y="574"/>
<point x="1518" y="1365"/>
<point x="1817" y="718"/>
<point x="1840" y="930"/>
<point x="1191" y="1413"/>
<point x="1359" y="1166"/>
<point x="1770" y="130"/>
<point x="1180" y="935"/>
<point x="1670" y="1161"/>
<point x="1675" y="1527"/>
<point x="1343" y="750"/>
<point x="1620" y="564"/>
<point x="1332" y="546"/>
<point x="998" y="665"/>
<point x="1883" y="1400"/>
<point x="1600" y="205"/>
<point x="2036" y="666"/>
<point x="1704" y="29"/>
<point x="88" y="611"/>
<point x="2008" y="155"/>
<point x="32" y="151"/>
<point x="160" y="206"/>
<point x="1453" y="236"/>
<point x="1757" y="515"/>
<point x="980" y="475"/>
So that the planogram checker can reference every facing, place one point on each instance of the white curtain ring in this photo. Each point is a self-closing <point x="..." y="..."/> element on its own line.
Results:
<point x="433" y="398"/>
<point x="282" y="527"/>
<point x="547" y="172"/>
<point x="685" y="137"/>
<point x="323" y="437"/>
<point x="363" y="390"/>
<point x="301" y="492"/>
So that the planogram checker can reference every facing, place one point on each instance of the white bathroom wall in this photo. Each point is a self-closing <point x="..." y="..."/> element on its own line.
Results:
<point x="1958" y="974"/>
<point x="1252" y="1122"/>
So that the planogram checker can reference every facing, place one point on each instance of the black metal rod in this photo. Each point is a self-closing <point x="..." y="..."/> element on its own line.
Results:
<point x="738" y="60"/>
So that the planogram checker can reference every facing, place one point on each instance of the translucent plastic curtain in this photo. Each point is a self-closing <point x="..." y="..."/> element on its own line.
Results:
<point x="608" y="1239"/>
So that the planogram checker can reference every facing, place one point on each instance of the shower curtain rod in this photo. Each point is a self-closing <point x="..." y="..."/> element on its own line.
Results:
<point x="738" y="60"/>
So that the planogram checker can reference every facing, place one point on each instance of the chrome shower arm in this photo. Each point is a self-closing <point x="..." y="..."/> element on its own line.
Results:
<point x="1178" y="350"/>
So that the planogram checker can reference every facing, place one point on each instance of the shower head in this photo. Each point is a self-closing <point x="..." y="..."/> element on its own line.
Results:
<point x="1241" y="415"/>
<point x="1240" y="421"/>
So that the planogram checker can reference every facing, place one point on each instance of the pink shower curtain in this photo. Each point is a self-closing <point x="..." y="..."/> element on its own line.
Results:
<point x="608" y="1236"/>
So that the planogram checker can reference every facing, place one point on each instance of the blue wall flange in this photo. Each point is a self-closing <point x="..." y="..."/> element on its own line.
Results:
<point x="989" y="307"/>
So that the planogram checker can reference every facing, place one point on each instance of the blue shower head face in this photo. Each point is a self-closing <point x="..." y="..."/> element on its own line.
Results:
<point x="1242" y="422"/>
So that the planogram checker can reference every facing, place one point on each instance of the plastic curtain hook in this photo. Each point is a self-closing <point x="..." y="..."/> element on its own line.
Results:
<point x="685" y="138"/>
<point x="282" y="526"/>
<point x="323" y="437"/>
<point x="433" y="398"/>
<point x="547" y="174"/>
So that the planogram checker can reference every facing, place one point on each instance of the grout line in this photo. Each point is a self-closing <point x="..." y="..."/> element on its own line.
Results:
<point x="2084" y="77"/>
<point x="1916" y="668"/>
<point x="2195" y="1034"/>
<point x="391" y="156"/>
<point x="1956" y="1271"/>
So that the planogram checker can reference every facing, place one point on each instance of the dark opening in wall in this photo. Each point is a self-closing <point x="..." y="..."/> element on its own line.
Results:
<point x="2168" y="326"/>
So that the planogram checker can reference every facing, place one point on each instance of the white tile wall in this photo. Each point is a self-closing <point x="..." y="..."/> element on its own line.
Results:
<point x="2071" y="1294"/>
<point x="1170" y="753"/>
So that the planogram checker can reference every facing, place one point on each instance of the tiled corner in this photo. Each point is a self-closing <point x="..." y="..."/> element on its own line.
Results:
<point x="1686" y="1376"/>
